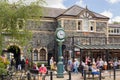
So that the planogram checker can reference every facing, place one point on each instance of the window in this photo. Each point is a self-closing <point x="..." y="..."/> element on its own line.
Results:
<point x="92" y="25"/>
<point x="43" y="54"/>
<point x="79" y="25"/>
<point x="91" y="28"/>
<point x="118" y="31"/>
<point x="86" y="25"/>
<point x="20" y="24"/>
<point x="35" y="55"/>
<point x="114" y="30"/>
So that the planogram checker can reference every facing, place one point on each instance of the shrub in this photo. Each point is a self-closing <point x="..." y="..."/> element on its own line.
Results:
<point x="3" y="71"/>
<point x="3" y="64"/>
<point x="39" y="64"/>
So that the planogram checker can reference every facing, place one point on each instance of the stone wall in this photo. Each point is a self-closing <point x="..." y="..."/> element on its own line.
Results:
<point x="43" y="34"/>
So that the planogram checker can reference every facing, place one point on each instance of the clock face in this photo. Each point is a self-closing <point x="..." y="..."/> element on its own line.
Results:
<point x="61" y="34"/>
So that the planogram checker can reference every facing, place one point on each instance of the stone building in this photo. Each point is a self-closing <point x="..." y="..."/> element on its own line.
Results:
<point x="87" y="34"/>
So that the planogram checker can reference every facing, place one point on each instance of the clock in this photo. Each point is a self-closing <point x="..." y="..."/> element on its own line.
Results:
<point x="60" y="34"/>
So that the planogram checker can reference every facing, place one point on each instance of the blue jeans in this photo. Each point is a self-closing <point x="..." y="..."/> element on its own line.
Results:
<point x="75" y="69"/>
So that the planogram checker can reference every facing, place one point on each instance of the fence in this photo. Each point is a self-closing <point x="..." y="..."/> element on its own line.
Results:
<point x="112" y="74"/>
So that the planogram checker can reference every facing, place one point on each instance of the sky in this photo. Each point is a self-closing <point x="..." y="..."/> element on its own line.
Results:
<point x="109" y="8"/>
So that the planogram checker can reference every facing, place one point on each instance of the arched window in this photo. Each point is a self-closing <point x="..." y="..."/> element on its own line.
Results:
<point x="79" y="25"/>
<point x="35" y="55"/>
<point x="43" y="54"/>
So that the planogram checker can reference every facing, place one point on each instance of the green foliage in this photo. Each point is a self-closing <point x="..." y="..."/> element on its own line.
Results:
<point x="13" y="18"/>
<point x="116" y="22"/>
<point x="3" y="65"/>
<point x="4" y="62"/>
<point x="3" y="71"/>
<point x="39" y="64"/>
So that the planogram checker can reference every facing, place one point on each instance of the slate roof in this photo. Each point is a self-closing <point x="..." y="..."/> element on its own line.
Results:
<point x="107" y="46"/>
<point x="72" y="11"/>
<point x="52" y="12"/>
<point x="114" y="25"/>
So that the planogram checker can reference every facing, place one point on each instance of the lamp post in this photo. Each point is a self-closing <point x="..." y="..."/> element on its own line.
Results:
<point x="60" y="37"/>
<point x="60" y="62"/>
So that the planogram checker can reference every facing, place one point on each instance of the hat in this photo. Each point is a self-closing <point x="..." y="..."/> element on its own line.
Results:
<point x="75" y="59"/>
<point x="42" y="65"/>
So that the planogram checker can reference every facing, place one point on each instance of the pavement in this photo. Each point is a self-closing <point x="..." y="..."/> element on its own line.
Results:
<point x="108" y="75"/>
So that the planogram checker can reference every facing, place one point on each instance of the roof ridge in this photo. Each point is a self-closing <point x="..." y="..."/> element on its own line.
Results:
<point x="72" y="7"/>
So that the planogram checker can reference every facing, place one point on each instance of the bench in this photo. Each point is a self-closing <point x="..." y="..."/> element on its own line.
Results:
<point x="34" y="71"/>
<point x="93" y="75"/>
<point x="89" y="72"/>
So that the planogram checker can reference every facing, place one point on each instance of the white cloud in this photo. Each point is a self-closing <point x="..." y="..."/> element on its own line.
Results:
<point x="81" y="3"/>
<point x="116" y="19"/>
<point x="107" y="13"/>
<point x="49" y="3"/>
<point x="55" y="3"/>
<point x="110" y="15"/>
<point x="113" y="1"/>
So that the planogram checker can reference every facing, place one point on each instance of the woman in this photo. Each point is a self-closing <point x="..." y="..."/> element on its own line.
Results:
<point x="94" y="69"/>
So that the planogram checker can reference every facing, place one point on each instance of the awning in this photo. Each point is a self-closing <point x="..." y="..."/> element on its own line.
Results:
<point x="98" y="46"/>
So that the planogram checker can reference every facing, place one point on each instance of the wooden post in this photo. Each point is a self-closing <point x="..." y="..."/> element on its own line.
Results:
<point x="84" y="74"/>
<point x="69" y="75"/>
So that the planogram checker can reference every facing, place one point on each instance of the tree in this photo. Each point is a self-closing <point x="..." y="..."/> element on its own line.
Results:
<point x="13" y="17"/>
<point x="116" y="22"/>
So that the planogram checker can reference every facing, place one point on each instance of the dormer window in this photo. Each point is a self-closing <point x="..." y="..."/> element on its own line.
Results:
<point x="87" y="16"/>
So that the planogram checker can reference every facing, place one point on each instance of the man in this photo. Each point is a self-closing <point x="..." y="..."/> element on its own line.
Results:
<point x="76" y="65"/>
<point x="42" y="71"/>
<point x="51" y="63"/>
<point x="69" y="65"/>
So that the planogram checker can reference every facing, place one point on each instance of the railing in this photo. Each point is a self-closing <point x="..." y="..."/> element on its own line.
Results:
<point x="113" y="74"/>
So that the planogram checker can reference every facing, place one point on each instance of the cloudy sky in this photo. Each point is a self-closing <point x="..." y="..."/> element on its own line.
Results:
<point x="109" y="8"/>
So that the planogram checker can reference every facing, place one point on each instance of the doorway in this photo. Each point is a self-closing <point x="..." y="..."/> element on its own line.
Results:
<point x="16" y="54"/>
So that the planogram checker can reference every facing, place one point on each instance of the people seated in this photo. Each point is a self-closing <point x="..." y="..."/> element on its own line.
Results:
<point x="54" y="66"/>
<point x="95" y="70"/>
<point x="43" y="69"/>
<point x="35" y="66"/>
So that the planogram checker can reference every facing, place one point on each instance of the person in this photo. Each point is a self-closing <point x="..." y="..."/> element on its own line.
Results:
<point x="35" y="66"/>
<point x="42" y="71"/>
<point x="12" y="63"/>
<point x="69" y="64"/>
<point x="101" y="63"/>
<point x="23" y="64"/>
<point x="115" y="64"/>
<point x="19" y="65"/>
<point x="76" y="65"/>
<point x="54" y="66"/>
<point x="26" y="64"/>
<point x="82" y="67"/>
<point x="94" y="69"/>
<point x="51" y="63"/>
<point x="105" y="65"/>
